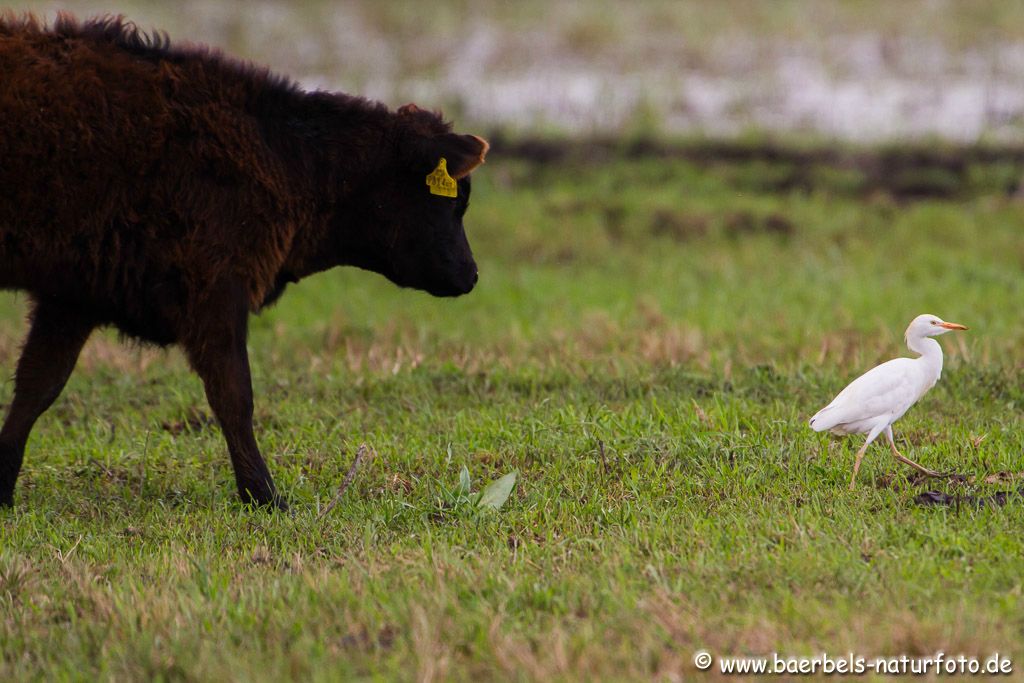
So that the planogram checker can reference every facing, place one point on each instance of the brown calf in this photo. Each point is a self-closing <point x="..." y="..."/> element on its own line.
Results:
<point x="170" y="192"/>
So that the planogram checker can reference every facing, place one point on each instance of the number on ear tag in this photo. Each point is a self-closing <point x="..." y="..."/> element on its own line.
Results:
<point x="440" y="182"/>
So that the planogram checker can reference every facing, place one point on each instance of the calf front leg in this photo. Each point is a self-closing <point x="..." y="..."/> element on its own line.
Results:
<point x="218" y="354"/>
<point x="56" y="337"/>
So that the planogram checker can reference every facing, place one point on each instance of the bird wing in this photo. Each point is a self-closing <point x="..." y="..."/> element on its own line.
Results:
<point x="887" y="389"/>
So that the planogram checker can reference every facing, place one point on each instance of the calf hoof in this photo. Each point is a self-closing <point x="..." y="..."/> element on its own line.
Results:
<point x="267" y="500"/>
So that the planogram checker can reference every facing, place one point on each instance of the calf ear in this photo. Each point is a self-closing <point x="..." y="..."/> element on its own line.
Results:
<point x="462" y="152"/>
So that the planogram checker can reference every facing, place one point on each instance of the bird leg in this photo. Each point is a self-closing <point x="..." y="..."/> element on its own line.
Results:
<point x="908" y="461"/>
<point x="856" y="464"/>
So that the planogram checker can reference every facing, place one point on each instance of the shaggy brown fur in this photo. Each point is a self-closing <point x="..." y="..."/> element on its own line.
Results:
<point x="172" y="191"/>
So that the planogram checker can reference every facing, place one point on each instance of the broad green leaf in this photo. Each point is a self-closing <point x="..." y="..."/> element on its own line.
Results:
<point x="464" y="482"/>
<point x="497" y="492"/>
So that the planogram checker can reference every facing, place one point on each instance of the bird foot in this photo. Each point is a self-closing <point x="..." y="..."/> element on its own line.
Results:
<point x="921" y="468"/>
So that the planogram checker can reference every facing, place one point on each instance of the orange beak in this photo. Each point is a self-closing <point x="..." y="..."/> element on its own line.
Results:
<point x="954" y="326"/>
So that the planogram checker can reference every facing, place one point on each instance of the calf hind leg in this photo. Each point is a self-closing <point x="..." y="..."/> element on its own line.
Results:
<point x="55" y="339"/>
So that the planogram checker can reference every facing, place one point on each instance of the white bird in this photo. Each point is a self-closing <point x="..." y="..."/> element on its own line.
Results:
<point x="879" y="397"/>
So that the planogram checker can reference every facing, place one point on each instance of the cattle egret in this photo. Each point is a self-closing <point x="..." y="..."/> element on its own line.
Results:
<point x="879" y="397"/>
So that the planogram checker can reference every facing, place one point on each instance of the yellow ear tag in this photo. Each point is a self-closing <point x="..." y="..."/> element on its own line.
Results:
<point x="440" y="182"/>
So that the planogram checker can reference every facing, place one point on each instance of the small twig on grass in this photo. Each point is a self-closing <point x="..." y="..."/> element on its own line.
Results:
<point x="347" y="481"/>
<point x="701" y="415"/>
<point x="142" y="467"/>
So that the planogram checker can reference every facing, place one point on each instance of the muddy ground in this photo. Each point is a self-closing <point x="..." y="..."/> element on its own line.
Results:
<point x="911" y="171"/>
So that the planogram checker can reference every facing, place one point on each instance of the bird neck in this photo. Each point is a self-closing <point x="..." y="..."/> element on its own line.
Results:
<point x="931" y="352"/>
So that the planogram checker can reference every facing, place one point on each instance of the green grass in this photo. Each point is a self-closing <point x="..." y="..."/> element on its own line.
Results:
<point x="645" y="348"/>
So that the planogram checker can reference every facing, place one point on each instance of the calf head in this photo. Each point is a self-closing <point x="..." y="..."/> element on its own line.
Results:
<point x="419" y="204"/>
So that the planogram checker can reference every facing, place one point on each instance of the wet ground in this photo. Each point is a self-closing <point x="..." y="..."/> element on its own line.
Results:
<point x="906" y="172"/>
<point x="863" y="72"/>
<point x="997" y="499"/>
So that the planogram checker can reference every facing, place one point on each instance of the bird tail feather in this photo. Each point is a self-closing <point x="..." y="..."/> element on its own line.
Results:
<point x="821" y="422"/>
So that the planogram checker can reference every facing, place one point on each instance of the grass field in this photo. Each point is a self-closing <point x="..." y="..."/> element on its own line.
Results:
<point x="647" y="341"/>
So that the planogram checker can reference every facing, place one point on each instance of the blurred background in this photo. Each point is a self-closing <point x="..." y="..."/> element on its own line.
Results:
<point x="856" y="71"/>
